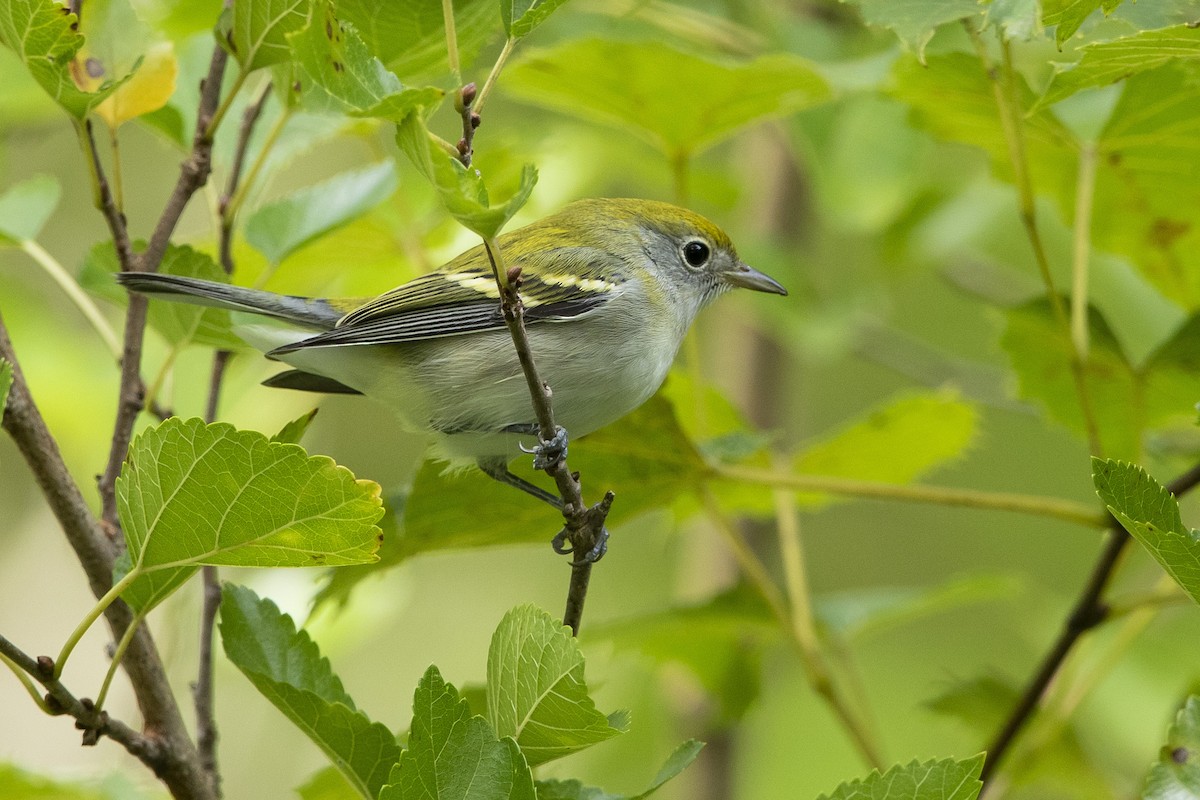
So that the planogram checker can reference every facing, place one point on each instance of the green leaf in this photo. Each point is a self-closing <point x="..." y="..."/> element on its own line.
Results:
<point x="536" y="691"/>
<point x="179" y="323"/>
<point x="410" y="37"/>
<point x="192" y="494"/>
<point x="676" y="763"/>
<point x="895" y="443"/>
<point x="915" y="21"/>
<point x="1150" y="514"/>
<point x="287" y="667"/>
<point x="279" y="229"/>
<point x="294" y="431"/>
<point x="258" y="31"/>
<point x="1068" y="15"/>
<point x="677" y="101"/>
<point x="520" y="17"/>
<point x="6" y="382"/>
<point x="42" y="33"/>
<point x="932" y="780"/>
<point x="26" y="206"/>
<point x="327" y="784"/>
<point x="1104" y="63"/>
<point x="461" y="189"/>
<point x="454" y="755"/>
<point x="337" y="72"/>
<point x="17" y="784"/>
<point x="1176" y="776"/>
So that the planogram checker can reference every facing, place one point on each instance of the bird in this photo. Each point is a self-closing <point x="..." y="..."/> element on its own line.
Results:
<point x="609" y="286"/>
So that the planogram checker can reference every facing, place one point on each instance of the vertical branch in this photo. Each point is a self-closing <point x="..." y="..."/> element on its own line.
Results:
<point x="193" y="173"/>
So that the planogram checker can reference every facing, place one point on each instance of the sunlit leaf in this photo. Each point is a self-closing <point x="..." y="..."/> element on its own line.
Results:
<point x="42" y="33"/>
<point x="25" y="207"/>
<point x="1151" y="515"/>
<point x="285" y="225"/>
<point x="410" y="37"/>
<point x="147" y="90"/>
<point x="915" y="21"/>
<point x="1103" y="63"/>
<point x="454" y="755"/>
<point x="932" y="780"/>
<point x="192" y="494"/>
<point x="461" y="188"/>
<point x="520" y="17"/>
<point x="679" y="102"/>
<point x="1176" y="776"/>
<point x="337" y="72"/>
<point x="257" y="34"/>
<point x="536" y="691"/>
<point x="288" y="668"/>
<point x="17" y="784"/>
<point x="676" y="763"/>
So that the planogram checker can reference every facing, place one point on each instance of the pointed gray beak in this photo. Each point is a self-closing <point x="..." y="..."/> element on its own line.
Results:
<point x="744" y="276"/>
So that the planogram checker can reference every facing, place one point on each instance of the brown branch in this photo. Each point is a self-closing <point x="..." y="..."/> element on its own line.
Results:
<point x="583" y="525"/>
<point x="175" y="762"/>
<point x="249" y="119"/>
<point x="193" y="174"/>
<point x="470" y="121"/>
<point x="1089" y="611"/>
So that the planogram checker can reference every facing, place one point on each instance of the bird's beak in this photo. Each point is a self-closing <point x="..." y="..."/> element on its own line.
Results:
<point x="744" y="276"/>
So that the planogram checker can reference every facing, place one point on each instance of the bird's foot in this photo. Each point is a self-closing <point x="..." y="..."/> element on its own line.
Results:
<point x="562" y="546"/>
<point x="549" y="453"/>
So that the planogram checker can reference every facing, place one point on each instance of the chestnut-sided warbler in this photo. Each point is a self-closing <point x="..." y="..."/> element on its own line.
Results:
<point x="609" y="287"/>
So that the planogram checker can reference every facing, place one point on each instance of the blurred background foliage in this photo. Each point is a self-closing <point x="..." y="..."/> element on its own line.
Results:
<point x="856" y="153"/>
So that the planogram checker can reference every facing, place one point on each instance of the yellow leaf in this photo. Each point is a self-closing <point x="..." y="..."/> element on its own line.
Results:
<point x="148" y="90"/>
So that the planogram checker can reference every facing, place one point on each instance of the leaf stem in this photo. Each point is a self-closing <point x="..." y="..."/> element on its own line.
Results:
<point x="1085" y="191"/>
<point x="27" y="682"/>
<point x="98" y="609"/>
<point x="211" y="129"/>
<point x="77" y="296"/>
<point x="1008" y="104"/>
<point x="239" y="196"/>
<point x="1052" y="507"/>
<point x="118" y="654"/>
<point x="451" y="41"/>
<point x="509" y="45"/>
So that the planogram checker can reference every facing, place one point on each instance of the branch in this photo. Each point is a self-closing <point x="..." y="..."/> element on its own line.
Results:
<point x="1088" y="612"/>
<point x="193" y="174"/>
<point x="584" y="526"/>
<point x="178" y="766"/>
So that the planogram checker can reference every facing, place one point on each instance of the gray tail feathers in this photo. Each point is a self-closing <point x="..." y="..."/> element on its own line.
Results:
<point x="309" y="312"/>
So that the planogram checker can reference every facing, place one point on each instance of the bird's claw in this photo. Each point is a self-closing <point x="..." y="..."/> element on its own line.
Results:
<point x="561" y="545"/>
<point x="549" y="453"/>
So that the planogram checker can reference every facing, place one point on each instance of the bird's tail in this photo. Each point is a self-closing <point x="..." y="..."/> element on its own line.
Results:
<point x="307" y="311"/>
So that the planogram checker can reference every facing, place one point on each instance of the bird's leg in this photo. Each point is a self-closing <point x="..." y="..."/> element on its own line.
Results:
<point x="497" y="469"/>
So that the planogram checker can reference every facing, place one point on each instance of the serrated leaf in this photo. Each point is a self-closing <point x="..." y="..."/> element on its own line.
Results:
<point x="677" y="101"/>
<point x="895" y="443"/>
<point x="294" y="431"/>
<point x="191" y="494"/>
<point x="1103" y="63"/>
<point x="287" y="667"/>
<point x="410" y="37"/>
<point x="257" y="34"/>
<point x="676" y="763"/>
<point x="915" y="21"/>
<point x="520" y="17"/>
<point x="461" y="189"/>
<point x="25" y="207"/>
<point x="280" y="228"/>
<point x="335" y="71"/>
<point x="932" y="780"/>
<point x="1176" y="776"/>
<point x="1151" y="515"/>
<point x="148" y="88"/>
<point x="6" y="382"/>
<point x="1068" y="15"/>
<point x="43" y="34"/>
<point x="179" y="323"/>
<point x="536" y="691"/>
<point x="454" y="755"/>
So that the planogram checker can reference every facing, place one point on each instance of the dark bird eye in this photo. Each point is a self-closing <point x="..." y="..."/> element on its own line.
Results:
<point x="696" y="253"/>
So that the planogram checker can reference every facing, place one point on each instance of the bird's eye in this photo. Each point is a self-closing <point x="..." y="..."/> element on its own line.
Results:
<point x="696" y="253"/>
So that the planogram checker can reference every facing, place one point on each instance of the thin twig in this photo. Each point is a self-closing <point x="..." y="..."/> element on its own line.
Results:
<point x="193" y="174"/>
<point x="1089" y="611"/>
<point x="470" y="121"/>
<point x="509" y="44"/>
<point x="1085" y="191"/>
<point x="175" y="760"/>
<point x="224" y="206"/>
<point x="584" y="525"/>
<point x="1052" y="507"/>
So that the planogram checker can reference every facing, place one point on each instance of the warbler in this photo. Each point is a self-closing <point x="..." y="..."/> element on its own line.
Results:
<point x="609" y="287"/>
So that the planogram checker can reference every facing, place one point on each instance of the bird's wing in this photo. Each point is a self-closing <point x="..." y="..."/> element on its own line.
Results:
<point x="463" y="298"/>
